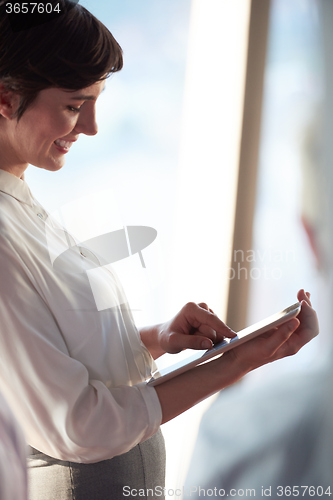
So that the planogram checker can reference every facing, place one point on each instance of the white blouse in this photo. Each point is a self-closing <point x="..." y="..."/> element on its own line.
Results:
<point x="13" y="460"/>
<point x="73" y="375"/>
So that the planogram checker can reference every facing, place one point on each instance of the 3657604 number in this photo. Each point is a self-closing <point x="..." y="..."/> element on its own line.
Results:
<point x="32" y="8"/>
<point x="302" y="491"/>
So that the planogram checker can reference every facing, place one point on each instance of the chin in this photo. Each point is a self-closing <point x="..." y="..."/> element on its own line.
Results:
<point x="54" y="168"/>
<point x="50" y="166"/>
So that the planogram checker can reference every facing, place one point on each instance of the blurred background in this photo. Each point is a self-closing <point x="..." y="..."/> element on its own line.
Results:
<point x="216" y="133"/>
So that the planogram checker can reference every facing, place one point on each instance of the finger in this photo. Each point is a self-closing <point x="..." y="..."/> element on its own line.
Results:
<point x="308" y="318"/>
<point x="206" y="331"/>
<point x="281" y="335"/>
<point x="198" y="316"/>
<point x="302" y="295"/>
<point x="177" y="343"/>
<point x="266" y="347"/>
<point x="307" y="330"/>
<point x="203" y="305"/>
<point x="309" y="321"/>
<point x="198" y="342"/>
<point x="292" y="346"/>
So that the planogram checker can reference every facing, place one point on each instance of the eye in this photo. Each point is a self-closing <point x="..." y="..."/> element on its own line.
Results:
<point x="73" y="110"/>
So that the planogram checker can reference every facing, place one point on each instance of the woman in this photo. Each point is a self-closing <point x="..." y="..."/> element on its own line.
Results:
<point x="75" y="376"/>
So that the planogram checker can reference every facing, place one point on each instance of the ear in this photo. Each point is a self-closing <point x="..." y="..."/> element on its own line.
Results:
<point x="9" y="102"/>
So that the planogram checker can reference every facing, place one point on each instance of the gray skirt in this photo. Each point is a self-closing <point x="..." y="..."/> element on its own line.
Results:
<point x="137" y="473"/>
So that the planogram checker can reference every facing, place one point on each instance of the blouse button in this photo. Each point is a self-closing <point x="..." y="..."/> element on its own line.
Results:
<point x="40" y="216"/>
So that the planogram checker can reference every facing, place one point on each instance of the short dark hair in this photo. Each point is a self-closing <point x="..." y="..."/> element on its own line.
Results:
<point x="72" y="51"/>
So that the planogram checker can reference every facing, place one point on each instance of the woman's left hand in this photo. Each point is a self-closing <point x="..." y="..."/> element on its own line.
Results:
<point x="270" y="346"/>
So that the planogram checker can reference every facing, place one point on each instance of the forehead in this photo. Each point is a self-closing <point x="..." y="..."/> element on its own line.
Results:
<point x="86" y="94"/>
<point x="89" y="93"/>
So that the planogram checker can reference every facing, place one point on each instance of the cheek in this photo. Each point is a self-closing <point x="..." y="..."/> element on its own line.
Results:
<point x="52" y="126"/>
<point x="57" y="127"/>
<point x="36" y="131"/>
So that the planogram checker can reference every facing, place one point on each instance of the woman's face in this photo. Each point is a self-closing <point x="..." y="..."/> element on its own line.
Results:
<point x="48" y="128"/>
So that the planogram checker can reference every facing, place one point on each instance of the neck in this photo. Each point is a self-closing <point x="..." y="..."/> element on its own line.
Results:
<point x="9" y="158"/>
<point x="18" y="172"/>
<point x="9" y="163"/>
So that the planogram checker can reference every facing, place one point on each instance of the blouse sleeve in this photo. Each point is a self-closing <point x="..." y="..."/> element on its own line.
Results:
<point x="63" y="411"/>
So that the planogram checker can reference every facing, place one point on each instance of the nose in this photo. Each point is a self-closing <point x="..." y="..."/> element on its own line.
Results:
<point x="86" y="123"/>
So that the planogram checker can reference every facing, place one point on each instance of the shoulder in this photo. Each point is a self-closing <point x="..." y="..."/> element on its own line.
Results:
<point x="9" y="209"/>
<point x="13" y="219"/>
<point x="12" y="233"/>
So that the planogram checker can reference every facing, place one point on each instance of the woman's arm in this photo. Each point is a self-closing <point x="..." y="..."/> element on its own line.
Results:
<point x="186" y="390"/>
<point x="65" y="409"/>
<point x="69" y="408"/>
<point x="182" y="392"/>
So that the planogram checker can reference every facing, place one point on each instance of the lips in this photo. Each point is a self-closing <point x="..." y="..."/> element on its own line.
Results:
<point x="63" y="144"/>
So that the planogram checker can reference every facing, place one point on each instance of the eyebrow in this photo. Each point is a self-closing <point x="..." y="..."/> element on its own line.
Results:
<point x="84" y="97"/>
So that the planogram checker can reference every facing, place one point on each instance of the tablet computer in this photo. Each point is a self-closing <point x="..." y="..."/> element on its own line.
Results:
<point x="242" y="336"/>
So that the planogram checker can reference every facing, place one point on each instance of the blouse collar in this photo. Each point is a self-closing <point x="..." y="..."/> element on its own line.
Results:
<point x="15" y="187"/>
